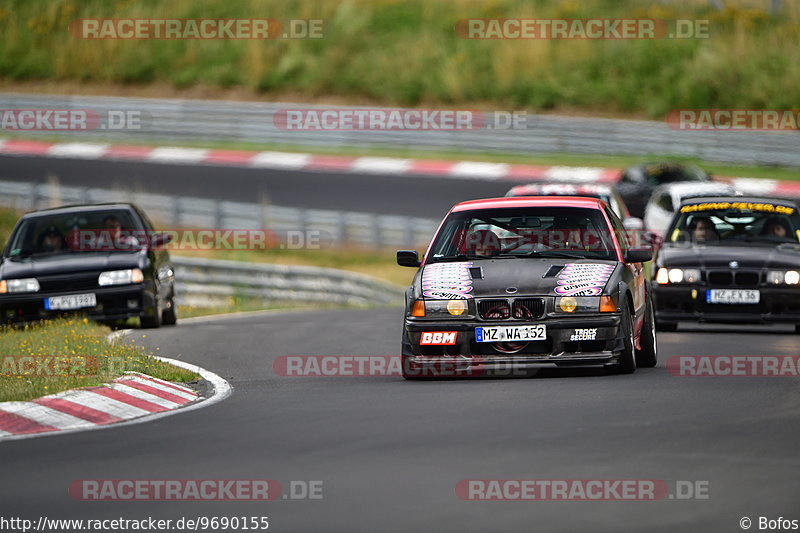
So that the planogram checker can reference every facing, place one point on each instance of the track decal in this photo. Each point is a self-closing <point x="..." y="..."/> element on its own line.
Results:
<point x="583" y="279"/>
<point x="447" y="281"/>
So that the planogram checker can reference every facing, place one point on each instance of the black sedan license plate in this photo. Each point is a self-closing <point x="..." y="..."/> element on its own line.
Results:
<point x="536" y="332"/>
<point x="732" y="296"/>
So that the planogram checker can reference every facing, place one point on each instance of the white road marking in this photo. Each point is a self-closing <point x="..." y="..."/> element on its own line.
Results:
<point x="79" y="150"/>
<point x="45" y="415"/>
<point x="280" y="160"/>
<point x="474" y="169"/>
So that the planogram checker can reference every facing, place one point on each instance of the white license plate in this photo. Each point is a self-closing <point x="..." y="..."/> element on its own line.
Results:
<point x="732" y="296"/>
<point x="537" y="332"/>
<point x="73" y="301"/>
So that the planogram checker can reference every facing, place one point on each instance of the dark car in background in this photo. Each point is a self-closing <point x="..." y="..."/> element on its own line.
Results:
<point x="105" y="261"/>
<point x="526" y="283"/>
<point x="730" y="259"/>
<point x="636" y="184"/>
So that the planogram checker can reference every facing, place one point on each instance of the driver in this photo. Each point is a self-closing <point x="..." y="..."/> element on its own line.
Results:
<point x="775" y="227"/>
<point x="483" y="242"/>
<point x="704" y="230"/>
<point x="51" y="240"/>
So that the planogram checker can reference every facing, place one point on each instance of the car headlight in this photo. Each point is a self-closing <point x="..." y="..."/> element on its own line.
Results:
<point x="677" y="275"/>
<point x="440" y="308"/>
<point x="120" y="277"/>
<point x="778" y="277"/>
<point x="19" y="285"/>
<point x="585" y="304"/>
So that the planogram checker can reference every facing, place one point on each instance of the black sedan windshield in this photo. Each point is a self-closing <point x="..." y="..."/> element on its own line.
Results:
<point x="90" y="231"/>
<point x="757" y="223"/>
<point x="524" y="232"/>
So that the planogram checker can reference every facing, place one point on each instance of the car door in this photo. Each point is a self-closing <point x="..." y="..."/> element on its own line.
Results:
<point x="163" y="273"/>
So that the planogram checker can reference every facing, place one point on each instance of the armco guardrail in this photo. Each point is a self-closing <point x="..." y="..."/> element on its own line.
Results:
<point x="174" y="120"/>
<point x="204" y="283"/>
<point x="330" y="227"/>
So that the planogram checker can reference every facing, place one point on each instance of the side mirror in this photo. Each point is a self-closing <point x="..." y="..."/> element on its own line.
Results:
<point x="639" y="255"/>
<point x="408" y="258"/>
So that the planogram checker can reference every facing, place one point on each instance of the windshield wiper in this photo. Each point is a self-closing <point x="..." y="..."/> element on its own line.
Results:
<point x="558" y="253"/>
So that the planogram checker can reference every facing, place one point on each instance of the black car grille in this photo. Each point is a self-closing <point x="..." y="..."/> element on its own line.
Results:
<point x="728" y="278"/>
<point x="528" y="308"/>
<point x="69" y="282"/>
<point x="518" y="309"/>
<point x="494" y="309"/>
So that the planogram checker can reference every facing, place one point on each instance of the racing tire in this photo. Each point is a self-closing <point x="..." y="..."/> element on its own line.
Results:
<point x="169" y="317"/>
<point x="797" y="328"/>
<point x="647" y="356"/>
<point x="627" y="358"/>
<point x="405" y="360"/>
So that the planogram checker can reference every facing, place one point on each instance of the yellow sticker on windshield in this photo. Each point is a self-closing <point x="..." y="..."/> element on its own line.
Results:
<point x="741" y="206"/>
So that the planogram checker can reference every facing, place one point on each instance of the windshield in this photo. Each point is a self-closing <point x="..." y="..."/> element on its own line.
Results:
<point x="75" y="232"/>
<point x="731" y="223"/>
<point x="524" y="232"/>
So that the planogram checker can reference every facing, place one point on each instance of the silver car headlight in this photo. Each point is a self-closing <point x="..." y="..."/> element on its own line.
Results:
<point x="120" y="277"/>
<point x="19" y="285"/>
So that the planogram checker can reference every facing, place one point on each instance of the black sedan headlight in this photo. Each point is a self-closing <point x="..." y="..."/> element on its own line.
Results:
<point x="120" y="277"/>
<point x="19" y="285"/>
<point x="665" y="276"/>
<point x="783" y="277"/>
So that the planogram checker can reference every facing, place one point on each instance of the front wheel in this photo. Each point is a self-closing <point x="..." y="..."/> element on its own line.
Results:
<point x="647" y="356"/>
<point x="627" y="358"/>
<point x="170" y="315"/>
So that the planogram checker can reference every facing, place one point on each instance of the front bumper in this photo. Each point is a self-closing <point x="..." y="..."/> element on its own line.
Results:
<point x="557" y="350"/>
<point x="113" y="303"/>
<point x="675" y="303"/>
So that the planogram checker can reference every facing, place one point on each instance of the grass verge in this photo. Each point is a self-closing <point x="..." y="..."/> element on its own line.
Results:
<point x="58" y="355"/>
<point x="408" y="53"/>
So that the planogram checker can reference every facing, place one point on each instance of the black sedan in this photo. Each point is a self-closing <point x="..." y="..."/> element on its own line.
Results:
<point x="102" y="260"/>
<point x="730" y="259"/>
<point x="522" y="283"/>
<point x="636" y="184"/>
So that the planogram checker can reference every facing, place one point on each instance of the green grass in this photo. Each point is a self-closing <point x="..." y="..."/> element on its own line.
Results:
<point x="406" y="52"/>
<point x="86" y="358"/>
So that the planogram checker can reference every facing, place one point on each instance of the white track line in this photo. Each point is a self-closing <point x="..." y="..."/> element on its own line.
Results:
<point x="100" y="403"/>
<point x="79" y="150"/>
<point x="221" y="390"/>
<point x="142" y="395"/>
<point x="159" y="386"/>
<point x="44" y="415"/>
<point x="280" y="160"/>
<point x="177" y="155"/>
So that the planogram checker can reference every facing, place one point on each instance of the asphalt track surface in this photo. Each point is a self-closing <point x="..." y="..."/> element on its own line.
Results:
<point x="423" y="196"/>
<point x="390" y="452"/>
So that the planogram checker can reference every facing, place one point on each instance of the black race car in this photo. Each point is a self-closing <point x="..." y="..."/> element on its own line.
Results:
<point x="636" y="184"/>
<point x="730" y="259"/>
<point x="529" y="282"/>
<point x="104" y="260"/>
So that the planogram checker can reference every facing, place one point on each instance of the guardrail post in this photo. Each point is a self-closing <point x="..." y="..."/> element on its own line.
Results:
<point x="377" y="234"/>
<point x="341" y="218"/>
